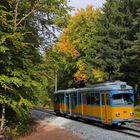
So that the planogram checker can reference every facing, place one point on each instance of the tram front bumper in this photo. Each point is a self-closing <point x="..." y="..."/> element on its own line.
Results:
<point x="116" y="121"/>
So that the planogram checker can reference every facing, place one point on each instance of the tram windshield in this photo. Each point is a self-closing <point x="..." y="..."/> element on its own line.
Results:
<point x="122" y="99"/>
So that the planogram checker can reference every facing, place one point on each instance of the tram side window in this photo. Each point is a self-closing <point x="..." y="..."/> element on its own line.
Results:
<point x="97" y="99"/>
<point x="88" y="99"/>
<point x="84" y="98"/>
<point x="103" y="99"/>
<point x="62" y="98"/>
<point x="74" y="100"/>
<point x="56" y="99"/>
<point x="108" y="99"/>
<point x="92" y="98"/>
<point x="80" y="98"/>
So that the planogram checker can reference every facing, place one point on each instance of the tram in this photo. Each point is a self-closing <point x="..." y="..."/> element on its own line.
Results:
<point x="108" y="102"/>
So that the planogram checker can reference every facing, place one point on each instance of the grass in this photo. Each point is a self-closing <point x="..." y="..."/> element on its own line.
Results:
<point x="137" y="111"/>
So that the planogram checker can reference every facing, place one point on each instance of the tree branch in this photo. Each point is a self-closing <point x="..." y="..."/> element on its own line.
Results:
<point x="27" y="15"/>
<point x="23" y="18"/>
<point x="16" y="13"/>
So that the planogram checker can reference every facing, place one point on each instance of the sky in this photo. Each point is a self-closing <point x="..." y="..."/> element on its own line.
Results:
<point x="84" y="3"/>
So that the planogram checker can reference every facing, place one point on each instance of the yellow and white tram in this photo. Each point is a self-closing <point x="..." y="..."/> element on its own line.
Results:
<point x="108" y="102"/>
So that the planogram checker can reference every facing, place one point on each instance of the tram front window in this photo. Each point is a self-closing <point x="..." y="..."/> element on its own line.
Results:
<point x="122" y="99"/>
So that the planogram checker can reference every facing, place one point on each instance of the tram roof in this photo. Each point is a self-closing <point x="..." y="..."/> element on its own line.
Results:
<point x="116" y="85"/>
<point x="110" y="86"/>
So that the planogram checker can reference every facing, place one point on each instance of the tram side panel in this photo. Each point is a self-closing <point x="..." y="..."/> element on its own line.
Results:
<point x="62" y="104"/>
<point x="96" y="107"/>
<point x="90" y="108"/>
<point x="75" y="105"/>
<point x="93" y="106"/>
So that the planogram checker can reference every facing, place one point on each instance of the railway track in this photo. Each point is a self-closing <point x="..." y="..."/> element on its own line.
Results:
<point x="137" y="120"/>
<point x="128" y="130"/>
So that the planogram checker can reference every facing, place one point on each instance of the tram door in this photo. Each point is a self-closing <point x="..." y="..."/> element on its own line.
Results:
<point x="67" y="108"/>
<point x="74" y="103"/>
<point x="70" y="101"/>
<point x="106" y="108"/>
<point x="61" y="97"/>
<point x="83" y="104"/>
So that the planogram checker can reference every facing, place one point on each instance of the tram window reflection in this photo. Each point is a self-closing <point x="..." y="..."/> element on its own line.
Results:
<point x="97" y="99"/>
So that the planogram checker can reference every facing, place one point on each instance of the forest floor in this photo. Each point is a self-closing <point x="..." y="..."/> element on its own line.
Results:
<point x="45" y="131"/>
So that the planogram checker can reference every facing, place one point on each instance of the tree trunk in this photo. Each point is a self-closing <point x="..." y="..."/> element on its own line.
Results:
<point x="56" y="81"/>
<point x="3" y="117"/>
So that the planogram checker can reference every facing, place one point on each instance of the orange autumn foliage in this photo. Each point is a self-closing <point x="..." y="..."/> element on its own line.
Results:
<point x="80" y="76"/>
<point x="64" y="45"/>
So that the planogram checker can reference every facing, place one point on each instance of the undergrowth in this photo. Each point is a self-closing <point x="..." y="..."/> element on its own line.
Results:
<point x="137" y="111"/>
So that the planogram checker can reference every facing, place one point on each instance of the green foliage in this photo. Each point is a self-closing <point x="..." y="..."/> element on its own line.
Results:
<point x="116" y="34"/>
<point x="137" y="111"/>
<point x="24" y="26"/>
<point x="131" y="68"/>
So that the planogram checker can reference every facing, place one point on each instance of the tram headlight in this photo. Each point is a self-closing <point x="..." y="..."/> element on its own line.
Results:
<point x="131" y="113"/>
<point x="117" y="114"/>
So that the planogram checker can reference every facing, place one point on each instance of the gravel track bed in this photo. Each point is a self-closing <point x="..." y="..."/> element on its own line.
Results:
<point x="133" y="125"/>
<point x="82" y="129"/>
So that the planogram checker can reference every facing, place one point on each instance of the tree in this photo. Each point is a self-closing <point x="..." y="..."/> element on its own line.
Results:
<point x="131" y="68"/>
<point x="116" y="34"/>
<point x="77" y="45"/>
<point x="20" y="39"/>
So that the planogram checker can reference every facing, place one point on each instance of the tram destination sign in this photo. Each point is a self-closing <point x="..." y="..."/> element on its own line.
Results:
<point x="123" y="86"/>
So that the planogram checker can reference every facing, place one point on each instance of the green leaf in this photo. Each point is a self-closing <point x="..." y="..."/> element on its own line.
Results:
<point x="3" y="49"/>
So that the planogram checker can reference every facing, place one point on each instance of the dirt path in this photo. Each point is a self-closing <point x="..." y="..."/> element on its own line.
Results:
<point x="45" y="131"/>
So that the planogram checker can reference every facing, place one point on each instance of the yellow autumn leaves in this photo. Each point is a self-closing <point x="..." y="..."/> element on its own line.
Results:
<point x="80" y="74"/>
<point x="98" y="75"/>
<point x="71" y="43"/>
